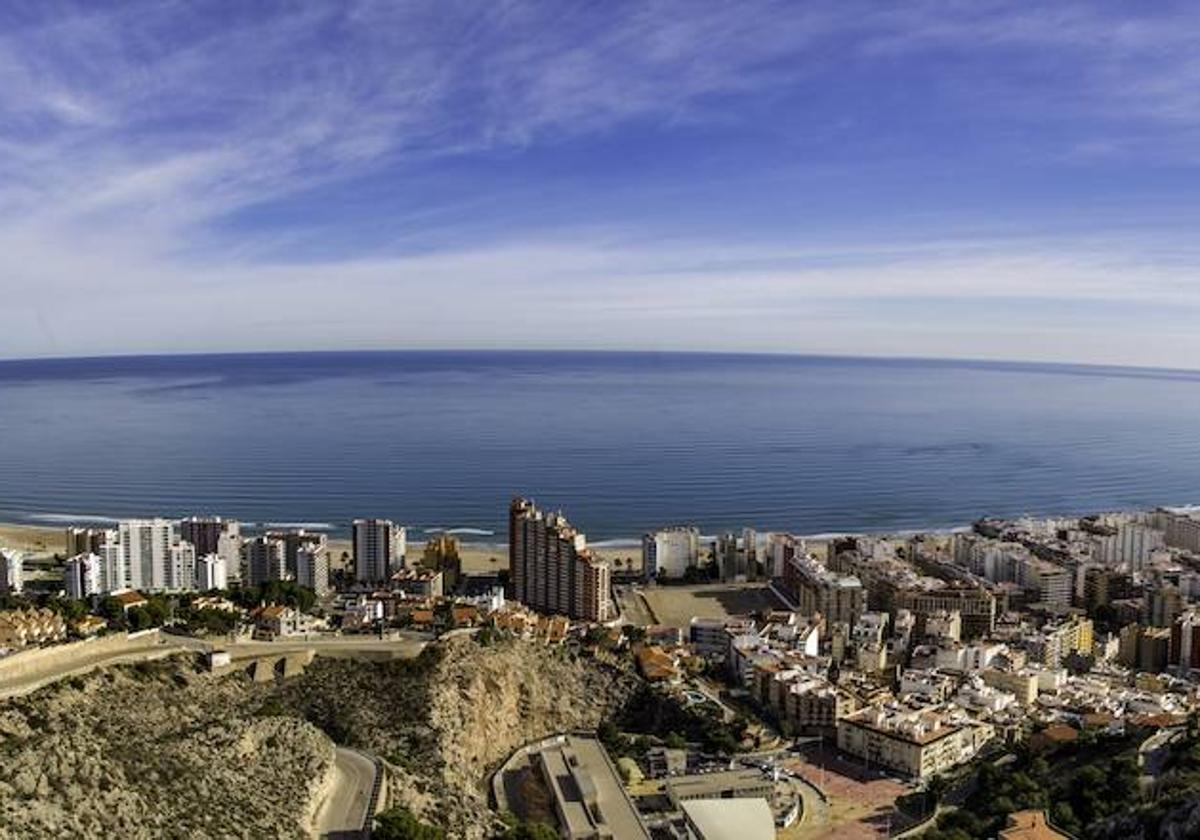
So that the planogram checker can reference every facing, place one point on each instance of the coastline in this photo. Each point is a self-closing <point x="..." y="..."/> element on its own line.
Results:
<point x="44" y="540"/>
<point x="479" y="554"/>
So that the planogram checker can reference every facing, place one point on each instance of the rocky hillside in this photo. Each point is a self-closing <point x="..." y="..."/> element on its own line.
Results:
<point x="155" y="750"/>
<point x="163" y="750"/>
<point x="447" y="720"/>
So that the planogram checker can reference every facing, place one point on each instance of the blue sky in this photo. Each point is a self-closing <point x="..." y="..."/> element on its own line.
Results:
<point x="974" y="179"/>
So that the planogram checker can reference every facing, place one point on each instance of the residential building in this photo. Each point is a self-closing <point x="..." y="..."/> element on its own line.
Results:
<point x="12" y="571"/>
<point x="212" y="572"/>
<point x="19" y="628"/>
<point x="814" y="705"/>
<point x="817" y="590"/>
<point x="274" y="620"/>
<point x="265" y="560"/>
<point x="1163" y="604"/>
<point x="918" y="742"/>
<point x="781" y="548"/>
<point x="441" y="554"/>
<point x="552" y="569"/>
<point x="312" y="566"/>
<point x="670" y="552"/>
<point x="153" y="557"/>
<point x="379" y="549"/>
<point x="1185" y="642"/>
<point x="85" y="541"/>
<point x="82" y="576"/>
<point x="1181" y="528"/>
<point x="975" y="606"/>
<point x="421" y="583"/>
<point x="215" y="535"/>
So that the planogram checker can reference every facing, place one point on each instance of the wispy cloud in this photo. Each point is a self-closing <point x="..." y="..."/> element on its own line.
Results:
<point x="130" y="134"/>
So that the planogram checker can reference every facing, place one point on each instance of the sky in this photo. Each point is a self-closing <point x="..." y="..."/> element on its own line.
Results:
<point x="944" y="179"/>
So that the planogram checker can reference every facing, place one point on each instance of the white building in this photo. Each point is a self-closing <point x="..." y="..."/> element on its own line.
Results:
<point x="12" y="570"/>
<point x="781" y="548"/>
<point x="153" y="558"/>
<point x="212" y="572"/>
<point x="670" y="552"/>
<point x="379" y="549"/>
<point x="181" y="567"/>
<point x="82" y="576"/>
<point x="312" y="568"/>
<point x="916" y="742"/>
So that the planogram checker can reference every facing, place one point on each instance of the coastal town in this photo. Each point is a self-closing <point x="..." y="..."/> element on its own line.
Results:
<point x="1017" y="678"/>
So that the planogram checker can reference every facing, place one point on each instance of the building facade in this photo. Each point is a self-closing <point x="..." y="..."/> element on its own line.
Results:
<point x="379" y="549"/>
<point x="552" y="569"/>
<point x="670" y="552"/>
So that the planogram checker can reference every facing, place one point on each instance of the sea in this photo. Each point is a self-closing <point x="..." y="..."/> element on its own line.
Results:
<point x="620" y="442"/>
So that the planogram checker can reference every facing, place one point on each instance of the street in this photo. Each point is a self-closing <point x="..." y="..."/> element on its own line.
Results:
<point x="344" y="808"/>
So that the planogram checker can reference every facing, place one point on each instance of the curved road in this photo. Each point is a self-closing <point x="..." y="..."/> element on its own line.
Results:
<point x="344" y="808"/>
<point x="80" y="660"/>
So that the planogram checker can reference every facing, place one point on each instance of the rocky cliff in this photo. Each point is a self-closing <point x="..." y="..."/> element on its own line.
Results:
<point x="163" y="750"/>
<point x="446" y="721"/>
<point x="155" y="750"/>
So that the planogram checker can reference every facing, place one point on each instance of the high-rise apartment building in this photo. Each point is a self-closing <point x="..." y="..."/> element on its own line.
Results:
<point x="266" y="560"/>
<point x="552" y="569"/>
<point x="12" y="569"/>
<point x="312" y="566"/>
<point x="297" y="541"/>
<point x="153" y="557"/>
<point x="215" y="535"/>
<point x="85" y="540"/>
<point x="82" y="576"/>
<point x="817" y="590"/>
<point x="781" y="548"/>
<point x="211" y="572"/>
<point x="379" y="549"/>
<point x="669" y="553"/>
<point x="441" y="554"/>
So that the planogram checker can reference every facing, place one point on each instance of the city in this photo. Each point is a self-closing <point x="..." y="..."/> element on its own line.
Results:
<point x="557" y="420"/>
<point x="768" y="684"/>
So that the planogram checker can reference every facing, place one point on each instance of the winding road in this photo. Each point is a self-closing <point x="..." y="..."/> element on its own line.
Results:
<point x="344" y="809"/>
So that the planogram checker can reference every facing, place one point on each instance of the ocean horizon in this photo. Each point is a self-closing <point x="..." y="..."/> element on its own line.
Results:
<point x="622" y="442"/>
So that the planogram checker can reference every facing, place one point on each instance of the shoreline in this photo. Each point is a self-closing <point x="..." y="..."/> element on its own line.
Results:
<point x="480" y="549"/>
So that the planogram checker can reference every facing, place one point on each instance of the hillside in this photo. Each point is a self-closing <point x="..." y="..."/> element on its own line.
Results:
<point x="446" y="720"/>
<point x="155" y="750"/>
<point x="165" y="750"/>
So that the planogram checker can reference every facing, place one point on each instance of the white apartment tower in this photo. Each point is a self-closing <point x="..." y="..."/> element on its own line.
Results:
<point x="379" y="549"/>
<point x="669" y="553"/>
<point x="312" y="568"/>
<point x="212" y="572"/>
<point x="12" y="570"/>
<point x="82" y="576"/>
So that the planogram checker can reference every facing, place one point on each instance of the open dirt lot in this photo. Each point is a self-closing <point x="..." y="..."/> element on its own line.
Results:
<point x="676" y="605"/>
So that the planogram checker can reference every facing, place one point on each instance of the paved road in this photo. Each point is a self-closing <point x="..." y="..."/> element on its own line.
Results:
<point x="83" y="662"/>
<point x="633" y="606"/>
<point x="344" y="808"/>
<point x="404" y="648"/>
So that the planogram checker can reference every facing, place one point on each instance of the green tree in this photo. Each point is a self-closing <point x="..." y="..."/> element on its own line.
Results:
<point x="399" y="823"/>
<point x="531" y="831"/>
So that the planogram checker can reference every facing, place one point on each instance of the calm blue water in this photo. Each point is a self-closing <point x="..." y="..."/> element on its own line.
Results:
<point x="621" y="442"/>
